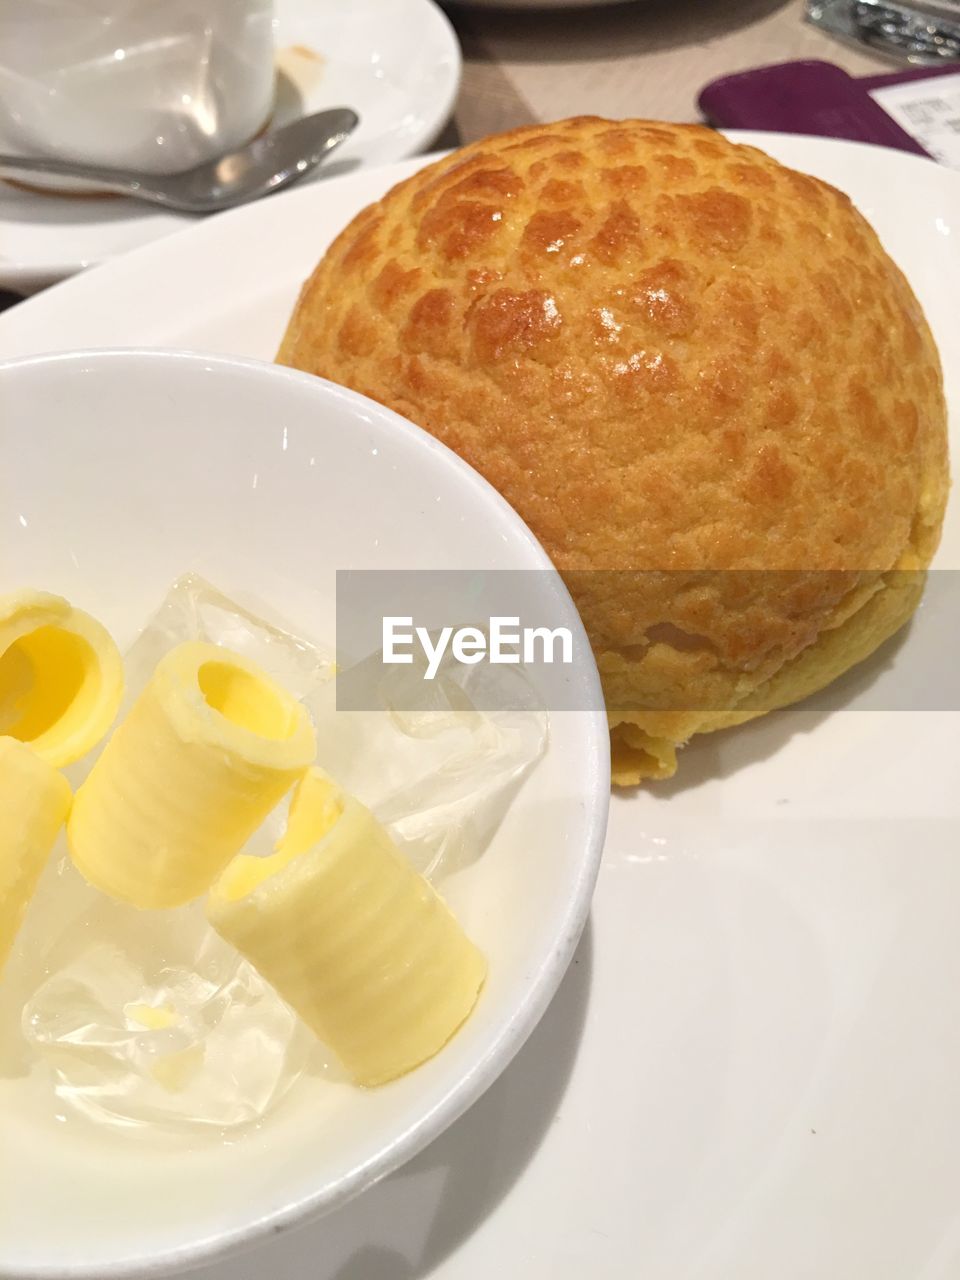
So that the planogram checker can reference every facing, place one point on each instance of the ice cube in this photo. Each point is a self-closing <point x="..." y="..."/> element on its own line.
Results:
<point x="149" y="1017"/>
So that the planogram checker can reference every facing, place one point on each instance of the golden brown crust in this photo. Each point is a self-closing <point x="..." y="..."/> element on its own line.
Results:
<point x="668" y="352"/>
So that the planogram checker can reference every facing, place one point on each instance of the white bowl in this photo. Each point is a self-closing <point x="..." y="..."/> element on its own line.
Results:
<point x="120" y="470"/>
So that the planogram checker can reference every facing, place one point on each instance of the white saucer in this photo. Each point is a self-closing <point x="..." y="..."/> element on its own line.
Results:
<point x="396" y="62"/>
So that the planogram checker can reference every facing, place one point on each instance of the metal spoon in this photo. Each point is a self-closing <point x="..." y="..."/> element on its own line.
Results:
<point x="268" y="163"/>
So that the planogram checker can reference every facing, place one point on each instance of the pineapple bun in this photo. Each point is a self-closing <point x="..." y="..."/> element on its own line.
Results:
<point x="697" y="376"/>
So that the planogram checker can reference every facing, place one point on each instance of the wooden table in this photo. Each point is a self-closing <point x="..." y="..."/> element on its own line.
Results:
<point x="643" y="58"/>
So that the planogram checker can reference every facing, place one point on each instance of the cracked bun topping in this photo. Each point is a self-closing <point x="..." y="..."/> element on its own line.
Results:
<point x="695" y="373"/>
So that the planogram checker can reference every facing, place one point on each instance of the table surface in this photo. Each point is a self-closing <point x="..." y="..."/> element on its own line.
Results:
<point x="647" y="58"/>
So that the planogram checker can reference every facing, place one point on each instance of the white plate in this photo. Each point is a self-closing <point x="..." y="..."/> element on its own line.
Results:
<point x="396" y="62"/>
<point x="753" y="1069"/>
<point x="98" y="504"/>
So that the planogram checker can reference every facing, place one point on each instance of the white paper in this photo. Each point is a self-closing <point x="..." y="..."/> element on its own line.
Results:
<point x="929" y="110"/>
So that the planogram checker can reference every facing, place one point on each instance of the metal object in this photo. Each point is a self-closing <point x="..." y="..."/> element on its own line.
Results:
<point x="926" y="32"/>
<point x="268" y="163"/>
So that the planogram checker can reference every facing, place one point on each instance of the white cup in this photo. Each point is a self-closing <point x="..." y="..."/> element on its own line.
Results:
<point x="155" y="85"/>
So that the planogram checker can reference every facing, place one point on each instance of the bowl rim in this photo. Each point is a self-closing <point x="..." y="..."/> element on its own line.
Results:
<point x="594" y="776"/>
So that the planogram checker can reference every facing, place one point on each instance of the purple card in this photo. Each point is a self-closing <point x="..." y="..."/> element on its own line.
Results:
<point x="809" y="97"/>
